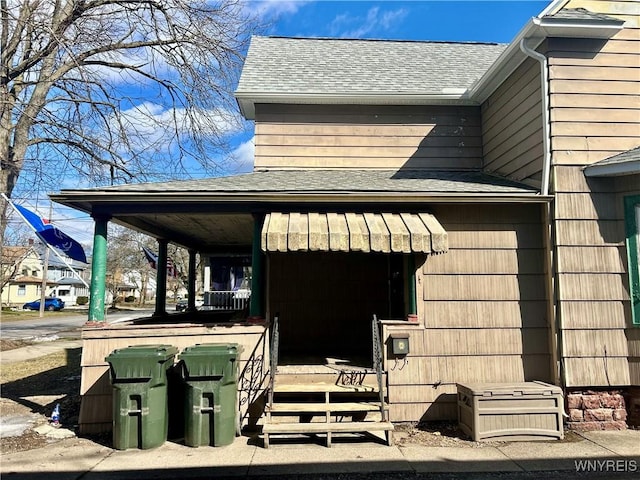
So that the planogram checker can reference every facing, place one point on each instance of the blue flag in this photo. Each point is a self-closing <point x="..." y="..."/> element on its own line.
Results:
<point x="53" y="236"/>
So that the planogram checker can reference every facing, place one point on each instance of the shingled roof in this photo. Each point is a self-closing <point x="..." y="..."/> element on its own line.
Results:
<point x="580" y="14"/>
<point x="338" y="67"/>
<point x="334" y="181"/>
<point x="625" y="163"/>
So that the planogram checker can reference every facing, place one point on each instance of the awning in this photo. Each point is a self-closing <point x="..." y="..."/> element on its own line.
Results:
<point x="353" y="232"/>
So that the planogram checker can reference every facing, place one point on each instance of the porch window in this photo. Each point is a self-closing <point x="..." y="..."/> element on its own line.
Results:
<point x="22" y="290"/>
<point x="402" y="292"/>
<point x="632" y="221"/>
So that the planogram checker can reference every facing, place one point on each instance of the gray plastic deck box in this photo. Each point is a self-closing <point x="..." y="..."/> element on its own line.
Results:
<point x="510" y="411"/>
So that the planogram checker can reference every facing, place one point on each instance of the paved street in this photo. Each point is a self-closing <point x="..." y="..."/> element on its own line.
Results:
<point x="65" y="326"/>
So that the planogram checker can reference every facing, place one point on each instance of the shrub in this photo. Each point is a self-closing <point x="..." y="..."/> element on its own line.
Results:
<point x="82" y="300"/>
<point x="130" y="299"/>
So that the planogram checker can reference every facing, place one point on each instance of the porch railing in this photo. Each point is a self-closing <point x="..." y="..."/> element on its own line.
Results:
<point x="226" y="300"/>
<point x="377" y="362"/>
<point x="273" y="358"/>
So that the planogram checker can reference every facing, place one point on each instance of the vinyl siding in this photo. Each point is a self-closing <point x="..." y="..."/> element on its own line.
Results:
<point x="595" y="114"/>
<point x="512" y="126"/>
<point x="384" y="137"/>
<point x="483" y="313"/>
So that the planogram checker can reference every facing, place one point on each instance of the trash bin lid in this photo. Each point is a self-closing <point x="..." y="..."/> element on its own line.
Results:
<point x="158" y="352"/>
<point x="211" y="349"/>
<point x="510" y="389"/>
<point x="210" y="359"/>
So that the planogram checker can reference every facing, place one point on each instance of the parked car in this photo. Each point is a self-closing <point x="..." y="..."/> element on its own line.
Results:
<point x="50" y="304"/>
<point x="183" y="304"/>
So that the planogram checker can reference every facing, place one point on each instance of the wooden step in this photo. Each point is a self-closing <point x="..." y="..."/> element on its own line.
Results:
<point x="326" y="427"/>
<point x="320" y="427"/>
<point x="321" y="388"/>
<point x="313" y="407"/>
<point x="339" y="378"/>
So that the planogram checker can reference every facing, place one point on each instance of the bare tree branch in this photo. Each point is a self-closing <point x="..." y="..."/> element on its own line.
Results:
<point x="118" y="86"/>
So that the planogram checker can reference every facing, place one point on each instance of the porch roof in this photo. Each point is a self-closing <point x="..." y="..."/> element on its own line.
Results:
<point x="625" y="163"/>
<point x="345" y="232"/>
<point x="215" y="214"/>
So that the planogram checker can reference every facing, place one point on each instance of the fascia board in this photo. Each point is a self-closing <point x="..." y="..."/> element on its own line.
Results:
<point x="505" y="64"/>
<point x="79" y="200"/>
<point x="535" y="32"/>
<point x="613" y="169"/>
<point x="553" y="7"/>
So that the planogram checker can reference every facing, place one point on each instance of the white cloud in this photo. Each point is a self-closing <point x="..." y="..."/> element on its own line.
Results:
<point x="242" y="157"/>
<point x="375" y="22"/>
<point x="266" y="8"/>
<point x="148" y="123"/>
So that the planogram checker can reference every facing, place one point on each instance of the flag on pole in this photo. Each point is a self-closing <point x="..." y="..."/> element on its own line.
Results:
<point x="152" y="258"/>
<point x="52" y="236"/>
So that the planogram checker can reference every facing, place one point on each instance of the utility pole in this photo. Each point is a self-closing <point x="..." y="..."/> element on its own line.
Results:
<point x="45" y="270"/>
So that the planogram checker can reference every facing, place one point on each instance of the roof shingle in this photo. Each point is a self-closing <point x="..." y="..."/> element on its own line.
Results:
<point x="276" y="65"/>
<point x="330" y="181"/>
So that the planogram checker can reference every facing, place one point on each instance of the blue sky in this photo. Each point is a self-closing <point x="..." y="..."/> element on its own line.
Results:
<point x="495" y="21"/>
<point x="470" y="21"/>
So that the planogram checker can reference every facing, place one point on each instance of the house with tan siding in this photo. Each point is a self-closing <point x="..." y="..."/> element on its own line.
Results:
<point x="459" y="212"/>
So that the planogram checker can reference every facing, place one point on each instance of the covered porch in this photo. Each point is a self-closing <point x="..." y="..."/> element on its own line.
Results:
<point x="326" y="256"/>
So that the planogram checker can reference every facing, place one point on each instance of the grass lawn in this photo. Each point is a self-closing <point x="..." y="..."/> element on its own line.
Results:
<point x="17" y="315"/>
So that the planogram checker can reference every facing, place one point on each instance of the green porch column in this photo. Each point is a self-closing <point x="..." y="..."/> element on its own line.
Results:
<point x="257" y="270"/>
<point x="411" y="283"/>
<point x="191" y="282"/>
<point x="98" y="270"/>
<point x="161" y="279"/>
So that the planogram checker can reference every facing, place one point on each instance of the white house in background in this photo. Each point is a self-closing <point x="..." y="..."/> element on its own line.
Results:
<point x="68" y="289"/>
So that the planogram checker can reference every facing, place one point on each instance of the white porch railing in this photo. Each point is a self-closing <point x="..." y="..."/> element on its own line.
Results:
<point x="226" y="300"/>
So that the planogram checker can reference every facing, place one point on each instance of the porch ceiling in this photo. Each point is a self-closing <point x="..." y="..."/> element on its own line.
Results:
<point x="204" y="232"/>
<point x="363" y="232"/>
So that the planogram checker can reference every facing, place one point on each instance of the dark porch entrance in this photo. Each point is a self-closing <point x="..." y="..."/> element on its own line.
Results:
<point x="326" y="300"/>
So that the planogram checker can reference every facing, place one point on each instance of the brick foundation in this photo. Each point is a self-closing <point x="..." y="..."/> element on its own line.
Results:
<point x="596" y="410"/>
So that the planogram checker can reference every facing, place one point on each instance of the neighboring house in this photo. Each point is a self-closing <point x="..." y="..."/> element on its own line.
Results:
<point x="21" y="290"/>
<point x="68" y="289"/>
<point x="21" y="275"/>
<point x="22" y="269"/>
<point x="472" y="196"/>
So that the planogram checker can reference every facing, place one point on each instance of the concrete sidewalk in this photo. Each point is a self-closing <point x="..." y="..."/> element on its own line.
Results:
<point x="605" y="454"/>
<point x="37" y="350"/>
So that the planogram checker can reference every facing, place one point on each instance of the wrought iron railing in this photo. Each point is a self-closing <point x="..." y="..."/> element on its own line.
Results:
<point x="273" y="358"/>
<point x="377" y="362"/>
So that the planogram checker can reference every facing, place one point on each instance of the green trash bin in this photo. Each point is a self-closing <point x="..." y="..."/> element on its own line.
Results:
<point x="139" y="380"/>
<point x="210" y="373"/>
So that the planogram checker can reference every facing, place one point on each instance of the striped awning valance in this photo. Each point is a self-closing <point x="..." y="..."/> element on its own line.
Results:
<point x="353" y="232"/>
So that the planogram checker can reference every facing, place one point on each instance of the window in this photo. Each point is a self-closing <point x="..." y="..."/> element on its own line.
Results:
<point x="402" y="291"/>
<point x="22" y="290"/>
<point x="632" y="221"/>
